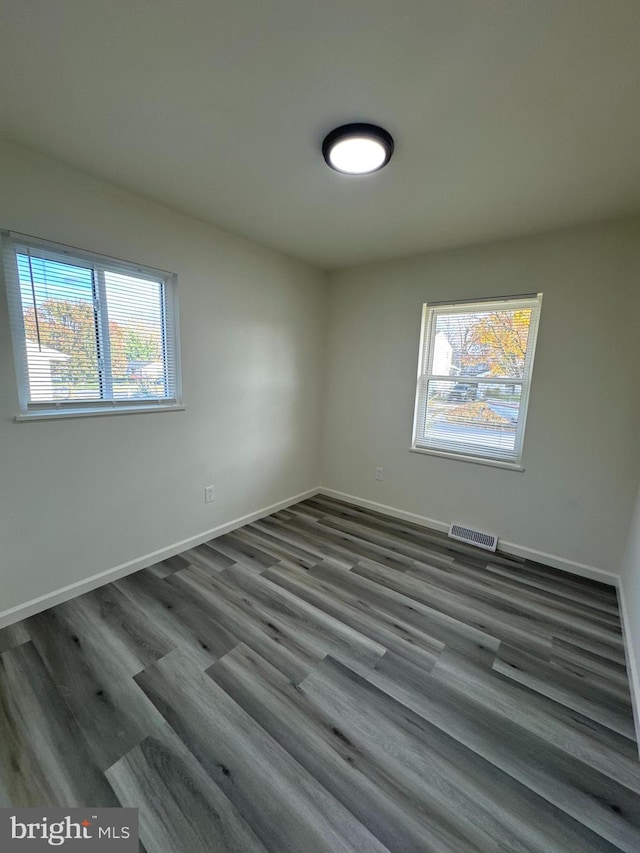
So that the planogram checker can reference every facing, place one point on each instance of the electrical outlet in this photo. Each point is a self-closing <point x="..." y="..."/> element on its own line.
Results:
<point x="378" y="473"/>
<point x="209" y="494"/>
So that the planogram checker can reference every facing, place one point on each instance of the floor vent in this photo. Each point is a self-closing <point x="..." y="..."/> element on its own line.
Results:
<point x="473" y="537"/>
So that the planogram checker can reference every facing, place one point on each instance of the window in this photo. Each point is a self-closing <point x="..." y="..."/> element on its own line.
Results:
<point x="91" y="334"/>
<point x="474" y="374"/>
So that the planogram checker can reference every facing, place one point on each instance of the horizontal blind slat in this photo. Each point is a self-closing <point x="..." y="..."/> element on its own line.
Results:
<point x="87" y="330"/>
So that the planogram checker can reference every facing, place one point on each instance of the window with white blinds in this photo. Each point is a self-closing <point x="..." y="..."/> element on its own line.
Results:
<point x="91" y="334"/>
<point x="474" y="375"/>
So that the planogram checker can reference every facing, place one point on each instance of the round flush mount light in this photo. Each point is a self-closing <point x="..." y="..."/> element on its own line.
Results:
<point x="357" y="149"/>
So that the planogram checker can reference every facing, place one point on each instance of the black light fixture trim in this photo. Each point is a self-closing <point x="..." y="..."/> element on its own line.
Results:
<point x="369" y="131"/>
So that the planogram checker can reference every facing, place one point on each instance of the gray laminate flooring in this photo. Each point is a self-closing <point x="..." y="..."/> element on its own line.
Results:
<point x="330" y="679"/>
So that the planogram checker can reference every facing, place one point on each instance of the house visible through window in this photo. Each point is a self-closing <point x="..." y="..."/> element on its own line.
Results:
<point x="91" y="334"/>
<point x="476" y="360"/>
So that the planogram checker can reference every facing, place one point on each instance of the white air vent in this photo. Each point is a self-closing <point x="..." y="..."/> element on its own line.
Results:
<point x="473" y="537"/>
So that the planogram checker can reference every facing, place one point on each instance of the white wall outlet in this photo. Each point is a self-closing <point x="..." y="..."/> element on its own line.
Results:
<point x="378" y="473"/>
<point x="209" y="494"/>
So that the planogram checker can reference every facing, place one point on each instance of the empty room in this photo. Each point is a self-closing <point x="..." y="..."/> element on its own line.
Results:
<point x="319" y="426"/>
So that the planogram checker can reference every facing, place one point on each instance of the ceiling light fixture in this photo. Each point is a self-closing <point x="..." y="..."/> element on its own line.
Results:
<point x="357" y="149"/>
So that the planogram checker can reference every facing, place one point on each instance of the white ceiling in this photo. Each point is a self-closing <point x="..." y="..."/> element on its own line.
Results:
<point x="509" y="116"/>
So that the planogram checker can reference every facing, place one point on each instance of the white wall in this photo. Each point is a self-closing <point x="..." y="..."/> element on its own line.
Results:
<point x="78" y="497"/>
<point x="581" y="453"/>
<point x="630" y="601"/>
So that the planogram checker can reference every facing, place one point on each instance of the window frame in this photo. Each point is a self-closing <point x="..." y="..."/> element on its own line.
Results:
<point x="425" y="375"/>
<point x="11" y="245"/>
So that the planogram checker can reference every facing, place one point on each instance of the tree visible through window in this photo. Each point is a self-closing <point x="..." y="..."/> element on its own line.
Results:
<point x="475" y="369"/>
<point x="90" y="332"/>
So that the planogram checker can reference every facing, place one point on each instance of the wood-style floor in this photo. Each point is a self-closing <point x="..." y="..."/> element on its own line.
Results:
<point x="329" y="679"/>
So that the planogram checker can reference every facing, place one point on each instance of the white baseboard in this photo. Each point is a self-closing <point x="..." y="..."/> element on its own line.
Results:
<point x="44" y="602"/>
<point x="422" y="520"/>
<point x="633" y="672"/>
<point x="29" y="608"/>
<point x="512" y="548"/>
<point x="572" y="566"/>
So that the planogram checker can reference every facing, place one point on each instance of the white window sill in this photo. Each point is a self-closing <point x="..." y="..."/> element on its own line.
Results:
<point x="461" y="457"/>
<point x="52" y="415"/>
